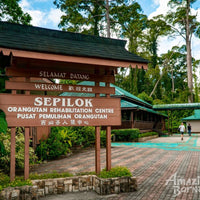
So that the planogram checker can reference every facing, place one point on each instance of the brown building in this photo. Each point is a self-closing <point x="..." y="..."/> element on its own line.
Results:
<point x="135" y="112"/>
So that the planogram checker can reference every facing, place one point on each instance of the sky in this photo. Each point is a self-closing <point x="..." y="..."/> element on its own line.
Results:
<point x="45" y="14"/>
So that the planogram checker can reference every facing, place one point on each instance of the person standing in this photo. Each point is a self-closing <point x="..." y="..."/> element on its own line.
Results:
<point x="182" y="130"/>
<point x="189" y="129"/>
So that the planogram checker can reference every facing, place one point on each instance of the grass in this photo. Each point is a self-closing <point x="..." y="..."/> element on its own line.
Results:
<point x="36" y="176"/>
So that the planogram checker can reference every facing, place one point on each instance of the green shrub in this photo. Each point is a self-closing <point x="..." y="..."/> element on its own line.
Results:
<point x="118" y="171"/>
<point x="147" y="134"/>
<point x="50" y="175"/>
<point x="3" y="123"/>
<point x="19" y="150"/>
<point x="103" y="138"/>
<point x="122" y="135"/>
<point x="5" y="181"/>
<point x="56" y="145"/>
<point x="19" y="181"/>
<point x="62" y="139"/>
<point x="82" y="135"/>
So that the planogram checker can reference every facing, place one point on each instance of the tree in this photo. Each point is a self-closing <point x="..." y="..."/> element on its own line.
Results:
<point x="81" y="15"/>
<point x="11" y="11"/>
<point x="131" y="21"/>
<point x="128" y="18"/>
<point x="185" y="25"/>
<point x="156" y="28"/>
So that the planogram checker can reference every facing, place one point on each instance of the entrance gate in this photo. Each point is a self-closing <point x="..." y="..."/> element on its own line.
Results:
<point x="32" y="54"/>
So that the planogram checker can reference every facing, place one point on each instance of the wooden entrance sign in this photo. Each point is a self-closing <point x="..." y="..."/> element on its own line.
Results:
<point x="58" y="87"/>
<point x="56" y="74"/>
<point x="41" y="111"/>
<point x="32" y="110"/>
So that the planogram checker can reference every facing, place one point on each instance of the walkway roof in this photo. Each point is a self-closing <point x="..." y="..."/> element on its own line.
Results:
<point x="177" y="106"/>
<point x="196" y="116"/>
<point x="126" y="105"/>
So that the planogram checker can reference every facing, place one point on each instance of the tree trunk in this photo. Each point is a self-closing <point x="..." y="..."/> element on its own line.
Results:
<point x="107" y="19"/>
<point x="189" y="57"/>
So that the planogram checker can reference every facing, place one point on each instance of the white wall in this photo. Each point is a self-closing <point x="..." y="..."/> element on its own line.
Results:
<point x="195" y="126"/>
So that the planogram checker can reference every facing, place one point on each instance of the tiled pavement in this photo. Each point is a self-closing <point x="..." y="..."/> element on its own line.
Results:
<point x="153" y="163"/>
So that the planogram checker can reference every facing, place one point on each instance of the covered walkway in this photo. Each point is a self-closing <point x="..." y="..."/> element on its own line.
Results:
<point x="179" y="106"/>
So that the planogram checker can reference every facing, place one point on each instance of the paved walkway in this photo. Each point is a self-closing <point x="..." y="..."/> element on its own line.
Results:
<point x="160" y="165"/>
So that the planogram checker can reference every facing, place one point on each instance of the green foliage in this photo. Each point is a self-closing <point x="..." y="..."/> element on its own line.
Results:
<point x="56" y="145"/>
<point x="126" y="134"/>
<point x="145" y="97"/>
<point x="147" y="134"/>
<point x="132" y="21"/>
<point x="5" y="181"/>
<point x="19" y="181"/>
<point x="118" y="171"/>
<point x="70" y="82"/>
<point x="12" y="12"/>
<point x="19" y="154"/>
<point x="82" y="135"/>
<point x="82" y="16"/>
<point x="50" y="175"/>
<point x="3" y="123"/>
<point x="62" y="139"/>
<point x="176" y="116"/>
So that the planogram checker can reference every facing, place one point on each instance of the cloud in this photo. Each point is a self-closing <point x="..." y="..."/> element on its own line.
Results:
<point x="40" y="1"/>
<point x="24" y="4"/>
<point x="38" y="18"/>
<point x="48" y="17"/>
<point x="195" y="47"/>
<point x="156" y="2"/>
<point x="37" y="15"/>
<point x="161" y="9"/>
<point x="54" y="16"/>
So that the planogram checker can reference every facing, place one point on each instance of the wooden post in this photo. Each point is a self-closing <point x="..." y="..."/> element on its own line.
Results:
<point x="108" y="148"/>
<point x="108" y="141"/>
<point x="168" y="119"/>
<point x="26" y="150"/>
<point x="97" y="150"/>
<point x="171" y="121"/>
<point x="97" y="143"/>
<point x="132" y="119"/>
<point x="12" y="155"/>
<point x="26" y="154"/>
<point x="12" y="150"/>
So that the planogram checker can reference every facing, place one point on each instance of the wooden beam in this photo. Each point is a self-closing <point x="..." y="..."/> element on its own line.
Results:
<point x="97" y="143"/>
<point x="12" y="155"/>
<point x="73" y="59"/>
<point x="59" y="74"/>
<point x="26" y="154"/>
<point x="58" y="87"/>
<point x="97" y="150"/>
<point x="108" y="148"/>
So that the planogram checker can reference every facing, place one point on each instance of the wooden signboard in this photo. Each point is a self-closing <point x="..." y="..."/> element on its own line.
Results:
<point x="58" y="87"/>
<point x="32" y="110"/>
<point x="54" y="74"/>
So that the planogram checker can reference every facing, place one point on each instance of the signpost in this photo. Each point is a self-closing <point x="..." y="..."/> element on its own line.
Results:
<point x="34" y="111"/>
<point x="42" y="111"/>
<point x="58" y="87"/>
<point x="57" y="74"/>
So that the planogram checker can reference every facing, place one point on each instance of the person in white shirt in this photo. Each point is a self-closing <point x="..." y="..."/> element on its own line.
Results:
<point x="182" y="130"/>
